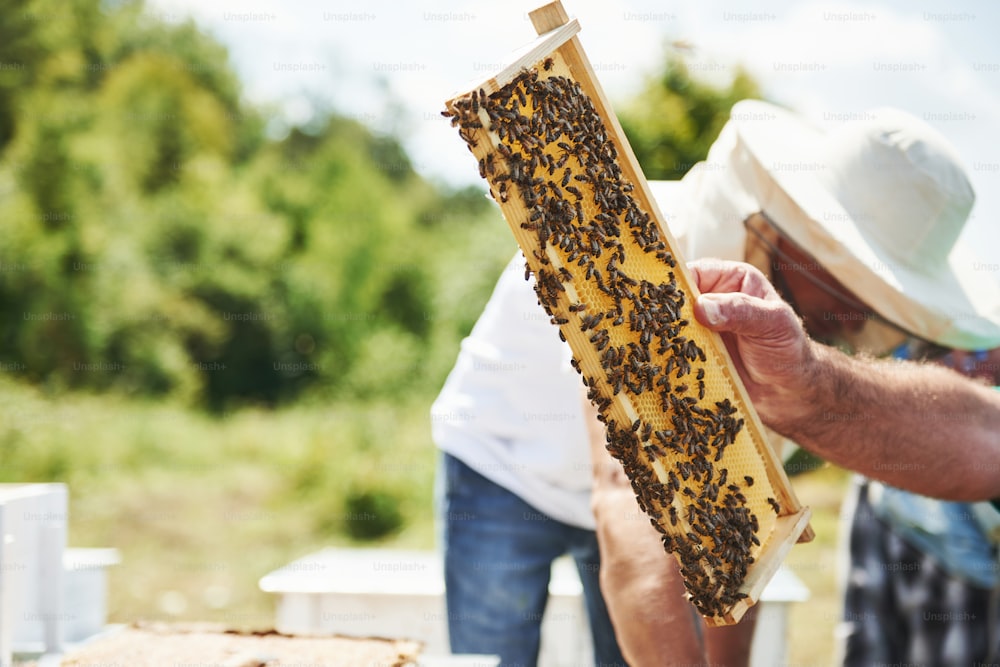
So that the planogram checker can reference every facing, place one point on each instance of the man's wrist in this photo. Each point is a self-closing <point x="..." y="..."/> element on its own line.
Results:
<point x="795" y="406"/>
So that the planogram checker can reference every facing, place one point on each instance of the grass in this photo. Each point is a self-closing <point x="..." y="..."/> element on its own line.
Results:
<point x="201" y="507"/>
<point x="812" y="623"/>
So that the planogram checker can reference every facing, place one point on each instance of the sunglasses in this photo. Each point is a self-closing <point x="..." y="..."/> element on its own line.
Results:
<point x="868" y="333"/>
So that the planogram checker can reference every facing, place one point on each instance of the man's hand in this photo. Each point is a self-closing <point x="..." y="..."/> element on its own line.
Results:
<point x="919" y="427"/>
<point x="766" y="340"/>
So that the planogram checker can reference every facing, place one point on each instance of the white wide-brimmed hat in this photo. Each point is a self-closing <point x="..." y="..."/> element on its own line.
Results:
<point x="880" y="203"/>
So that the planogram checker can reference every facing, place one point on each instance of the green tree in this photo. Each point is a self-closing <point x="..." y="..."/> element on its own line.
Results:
<point x="20" y="52"/>
<point x="673" y="121"/>
<point x="160" y="243"/>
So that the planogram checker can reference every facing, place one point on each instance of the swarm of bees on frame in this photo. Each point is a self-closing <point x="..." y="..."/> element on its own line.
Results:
<point x="551" y="148"/>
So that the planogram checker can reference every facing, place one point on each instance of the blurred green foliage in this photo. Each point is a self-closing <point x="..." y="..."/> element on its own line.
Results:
<point x="158" y="242"/>
<point x="675" y="118"/>
<point x="194" y="502"/>
<point x="372" y="513"/>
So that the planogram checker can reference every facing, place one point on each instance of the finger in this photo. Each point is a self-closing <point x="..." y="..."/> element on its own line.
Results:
<point x="712" y="275"/>
<point x="716" y="275"/>
<point x="748" y="316"/>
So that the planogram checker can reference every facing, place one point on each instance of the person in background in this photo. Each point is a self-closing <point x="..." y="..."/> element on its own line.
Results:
<point x="514" y="481"/>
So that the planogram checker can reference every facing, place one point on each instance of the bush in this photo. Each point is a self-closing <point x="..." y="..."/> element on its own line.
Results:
<point x="370" y="514"/>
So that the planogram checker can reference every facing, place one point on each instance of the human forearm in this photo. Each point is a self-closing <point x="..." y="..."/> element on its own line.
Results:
<point x="654" y="623"/>
<point x="641" y="584"/>
<point x="915" y="426"/>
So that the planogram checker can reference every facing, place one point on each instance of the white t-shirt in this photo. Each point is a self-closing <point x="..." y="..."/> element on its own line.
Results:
<point x="512" y="407"/>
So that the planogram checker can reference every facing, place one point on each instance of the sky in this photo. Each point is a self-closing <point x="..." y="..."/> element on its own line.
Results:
<point x="391" y="65"/>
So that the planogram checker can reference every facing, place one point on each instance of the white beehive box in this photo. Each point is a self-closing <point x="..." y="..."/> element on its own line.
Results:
<point x="400" y="594"/>
<point x="33" y="525"/>
<point x="85" y="592"/>
<point x="377" y="592"/>
<point x="51" y="597"/>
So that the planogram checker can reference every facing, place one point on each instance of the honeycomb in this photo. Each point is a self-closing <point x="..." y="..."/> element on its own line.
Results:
<point x="606" y="275"/>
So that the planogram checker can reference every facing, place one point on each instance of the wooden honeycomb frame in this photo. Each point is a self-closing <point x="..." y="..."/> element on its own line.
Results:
<point x="691" y="443"/>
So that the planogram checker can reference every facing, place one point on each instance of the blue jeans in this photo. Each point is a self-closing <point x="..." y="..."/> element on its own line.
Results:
<point x="498" y="553"/>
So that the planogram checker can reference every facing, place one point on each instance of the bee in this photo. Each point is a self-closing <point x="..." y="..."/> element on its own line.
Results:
<point x="547" y="64"/>
<point x="748" y="479"/>
<point x="674" y="482"/>
<point x="467" y="137"/>
<point x="590" y="321"/>
<point x="774" y="505"/>
<point x="520" y="96"/>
